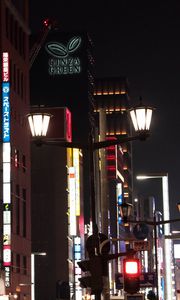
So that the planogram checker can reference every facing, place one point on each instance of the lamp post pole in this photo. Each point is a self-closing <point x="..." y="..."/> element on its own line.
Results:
<point x="156" y="254"/>
<point x="141" y="118"/>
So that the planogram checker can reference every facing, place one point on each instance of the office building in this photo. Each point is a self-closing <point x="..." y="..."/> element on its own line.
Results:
<point x="57" y="211"/>
<point x="15" y="249"/>
<point x="111" y="96"/>
<point x="62" y="78"/>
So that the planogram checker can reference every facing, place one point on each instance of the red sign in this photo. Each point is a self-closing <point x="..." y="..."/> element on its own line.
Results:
<point x="5" y="66"/>
<point x="6" y="255"/>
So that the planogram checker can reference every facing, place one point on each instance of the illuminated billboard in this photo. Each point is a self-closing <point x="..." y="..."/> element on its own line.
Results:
<point x="5" y="112"/>
<point x="61" y="59"/>
<point x="6" y="161"/>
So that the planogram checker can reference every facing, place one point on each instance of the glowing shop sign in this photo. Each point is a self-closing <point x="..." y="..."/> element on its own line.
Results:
<point x="5" y="66"/>
<point x="5" y="112"/>
<point x="77" y="186"/>
<point x="72" y="197"/>
<point x="6" y="255"/>
<point x="6" y="159"/>
<point x="62" y="62"/>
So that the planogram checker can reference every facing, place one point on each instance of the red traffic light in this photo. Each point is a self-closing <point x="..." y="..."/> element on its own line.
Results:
<point x="131" y="266"/>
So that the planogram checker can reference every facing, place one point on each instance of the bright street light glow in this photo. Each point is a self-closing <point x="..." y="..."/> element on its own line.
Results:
<point x="143" y="177"/>
<point x="167" y="242"/>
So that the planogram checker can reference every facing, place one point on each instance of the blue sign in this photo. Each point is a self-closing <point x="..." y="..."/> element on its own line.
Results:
<point x="5" y="112"/>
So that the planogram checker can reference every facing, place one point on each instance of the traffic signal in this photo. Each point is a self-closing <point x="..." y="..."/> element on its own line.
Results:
<point x="94" y="268"/>
<point x="131" y="272"/>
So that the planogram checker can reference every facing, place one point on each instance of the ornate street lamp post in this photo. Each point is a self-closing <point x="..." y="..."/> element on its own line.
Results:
<point x="141" y="118"/>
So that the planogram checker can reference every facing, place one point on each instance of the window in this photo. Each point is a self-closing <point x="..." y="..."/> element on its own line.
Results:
<point x="20" y="41"/>
<point x="24" y="265"/>
<point x="17" y="263"/>
<point x="11" y="28"/>
<point x="24" y="213"/>
<point x="16" y="158"/>
<point x="17" y="209"/>
<point x="14" y="76"/>
<point x="24" y="163"/>
<point x="16" y="34"/>
<point x="7" y="23"/>
<point x="18" y="81"/>
<point x="22" y="86"/>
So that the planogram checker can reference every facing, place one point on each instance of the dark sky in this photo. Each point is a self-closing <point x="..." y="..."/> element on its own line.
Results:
<point x="139" y="40"/>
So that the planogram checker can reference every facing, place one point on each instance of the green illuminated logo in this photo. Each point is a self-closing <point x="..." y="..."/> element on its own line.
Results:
<point x="62" y="62"/>
<point x="59" y="50"/>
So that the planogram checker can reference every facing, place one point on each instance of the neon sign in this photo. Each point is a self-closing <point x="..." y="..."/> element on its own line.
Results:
<point x="72" y="197"/>
<point x="5" y="66"/>
<point x="6" y="111"/>
<point x="62" y="62"/>
<point x="6" y="159"/>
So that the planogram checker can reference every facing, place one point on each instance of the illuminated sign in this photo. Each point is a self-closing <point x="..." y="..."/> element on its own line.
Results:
<point x="119" y="197"/>
<point x="68" y="126"/>
<point x="72" y="197"/>
<point x="5" y="66"/>
<point x="7" y="276"/>
<point x="6" y="160"/>
<point x="77" y="270"/>
<point x="77" y="178"/>
<point x="6" y="255"/>
<point x="5" y="112"/>
<point x="62" y="62"/>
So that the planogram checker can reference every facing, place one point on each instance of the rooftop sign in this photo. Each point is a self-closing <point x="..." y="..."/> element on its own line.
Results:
<point x="62" y="60"/>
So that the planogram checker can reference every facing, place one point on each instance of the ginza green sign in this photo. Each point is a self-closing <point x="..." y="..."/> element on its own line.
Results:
<point x="62" y="60"/>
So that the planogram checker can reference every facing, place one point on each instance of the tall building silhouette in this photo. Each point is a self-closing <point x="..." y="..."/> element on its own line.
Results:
<point x="62" y="77"/>
<point x="15" y="249"/>
<point x="111" y="95"/>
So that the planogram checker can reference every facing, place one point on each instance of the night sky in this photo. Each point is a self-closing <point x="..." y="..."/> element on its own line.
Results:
<point x="139" y="40"/>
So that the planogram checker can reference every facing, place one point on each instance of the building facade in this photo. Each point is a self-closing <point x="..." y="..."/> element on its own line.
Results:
<point x="111" y="95"/>
<point x="57" y="212"/>
<point x="15" y="250"/>
<point x="111" y="98"/>
<point x="62" y="76"/>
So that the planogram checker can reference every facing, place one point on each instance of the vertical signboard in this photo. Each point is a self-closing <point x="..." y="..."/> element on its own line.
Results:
<point x="77" y="178"/>
<point x="72" y="198"/>
<point x="77" y="270"/>
<point x="6" y="167"/>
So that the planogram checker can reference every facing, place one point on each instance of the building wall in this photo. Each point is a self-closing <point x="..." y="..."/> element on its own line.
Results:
<point x="55" y="83"/>
<point x="112" y="95"/>
<point x="49" y="218"/>
<point x="57" y="209"/>
<point x="14" y="36"/>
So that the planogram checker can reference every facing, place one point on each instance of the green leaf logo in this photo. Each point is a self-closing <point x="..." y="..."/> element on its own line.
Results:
<point x="56" y="50"/>
<point x="73" y="44"/>
<point x="60" y="51"/>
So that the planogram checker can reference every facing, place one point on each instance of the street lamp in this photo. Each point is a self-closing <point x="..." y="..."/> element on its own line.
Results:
<point x="141" y="118"/>
<point x="125" y="211"/>
<point x="167" y="242"/>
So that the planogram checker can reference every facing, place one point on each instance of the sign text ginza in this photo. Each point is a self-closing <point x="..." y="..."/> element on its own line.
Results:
<point x="62" y="62"/>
